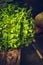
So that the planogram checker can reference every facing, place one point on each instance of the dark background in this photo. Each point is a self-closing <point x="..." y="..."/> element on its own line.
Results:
<point x="37" y="5"/>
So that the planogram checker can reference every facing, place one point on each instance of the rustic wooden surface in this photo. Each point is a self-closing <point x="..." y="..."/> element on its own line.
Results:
<point x="10" y="57"/>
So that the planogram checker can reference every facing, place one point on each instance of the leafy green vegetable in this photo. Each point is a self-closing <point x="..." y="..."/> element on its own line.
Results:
<point x="16" y="27"/>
